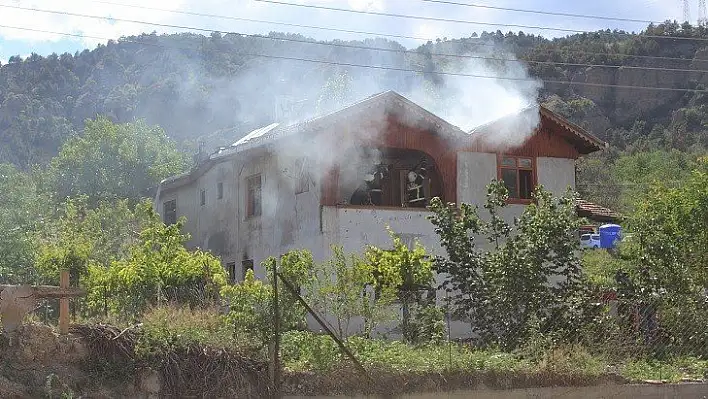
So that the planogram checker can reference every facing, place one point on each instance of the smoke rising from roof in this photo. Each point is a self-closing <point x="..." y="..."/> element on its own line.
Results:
<point x="501" y="88"/>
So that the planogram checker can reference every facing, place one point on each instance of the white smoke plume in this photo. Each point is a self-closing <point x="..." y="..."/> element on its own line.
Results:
<point x="470" y="92"/>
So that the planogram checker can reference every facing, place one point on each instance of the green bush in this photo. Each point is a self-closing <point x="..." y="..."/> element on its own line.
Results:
<point x="158" y="270"/>
<point x="427" y="325"/>
<point x="250" y="312"/>
<point x="166" y="327"/>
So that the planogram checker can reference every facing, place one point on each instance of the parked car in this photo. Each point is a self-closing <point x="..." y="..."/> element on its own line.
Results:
<point x="591" y="240"/>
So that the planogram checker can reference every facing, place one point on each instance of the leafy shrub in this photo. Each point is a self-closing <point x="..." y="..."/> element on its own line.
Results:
<point x="427" y="326"/>
<point x="304" y="351"/>
<point x="159" y="269"/>
<point x="250" y="312"/>
<point x="250" y="303"/>
<point x="529" y="280"/>
<point x="166" y="327"/>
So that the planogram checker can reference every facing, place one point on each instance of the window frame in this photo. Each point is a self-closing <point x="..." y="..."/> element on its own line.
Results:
<point x="251" y="212"/>
<point x="231" y="270"/>
<point x="173" y="212"/>
<point x="517" y="168"/>
<point x="302" y="183"/>
<point x="219" y="190"/>
<point x="202" y="197"/>
<point x="247" y="264"/>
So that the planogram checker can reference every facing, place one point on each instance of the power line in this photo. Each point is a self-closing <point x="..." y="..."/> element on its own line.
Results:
<point x="554" y="13"/>
<point x="330" y="29"/>
<point x="462" y="21"/>
<point x="228" y="17"/>
<point x="389" y="68"/>
<point x="378" y="34"/>
<point x="260" y="21"/>
<point x="361" y="47"/>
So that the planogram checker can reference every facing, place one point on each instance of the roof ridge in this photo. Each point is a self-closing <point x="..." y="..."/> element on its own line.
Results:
<point x="521" y="110"/>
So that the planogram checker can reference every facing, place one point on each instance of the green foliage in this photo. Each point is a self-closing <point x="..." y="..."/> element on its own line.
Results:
<point x="250" y="302"/>
<point x="408" y="274"/>
<point x="600" y="268"/>
<point x="671" y="371"/>
<point x="618" y="180"/>
<point x="78" y="235"/>
<point x="168" y="327"/>
<point x="304" y="351"/>
<point x="157" y="269"/>
<point x="427" y="325"/>
<point x="21" y="215"/>
<point x="250" y="313"/>
<point x="344" y="287"/>
<point x="109" y="161"/>
<point x="671" y="226"/>
<point x="529" y="281"/>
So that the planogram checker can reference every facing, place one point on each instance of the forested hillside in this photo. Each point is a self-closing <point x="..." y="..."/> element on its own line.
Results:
<point x="219" y="87"/>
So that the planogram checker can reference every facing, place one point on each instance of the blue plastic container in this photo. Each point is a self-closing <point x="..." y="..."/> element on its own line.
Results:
<point x="609" y="235"/>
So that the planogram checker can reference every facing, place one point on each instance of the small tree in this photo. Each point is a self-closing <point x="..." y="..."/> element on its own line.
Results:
<point x="406" y="273"/>
<point x="158" y="268"/>
<point x="250" y="310"/>
<point x="339" y="289"/>
<point x="250" y="302"/>
<point x="528" y="280"/>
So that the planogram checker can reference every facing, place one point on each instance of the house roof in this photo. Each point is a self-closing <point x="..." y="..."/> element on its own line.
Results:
<point x="596" y="212"/>
<point x="583" y="140"/>
<point x="591" y="142"/>
<point x="390" y="101"/>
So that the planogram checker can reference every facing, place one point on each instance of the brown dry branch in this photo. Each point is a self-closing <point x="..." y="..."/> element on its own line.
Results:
<point x="185" y="371"/>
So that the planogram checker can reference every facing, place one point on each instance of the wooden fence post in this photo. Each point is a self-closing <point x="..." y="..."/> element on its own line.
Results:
<point x="64" y="303"/>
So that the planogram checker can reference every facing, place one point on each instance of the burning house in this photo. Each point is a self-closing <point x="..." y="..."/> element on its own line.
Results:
<point x="344" y="177"/>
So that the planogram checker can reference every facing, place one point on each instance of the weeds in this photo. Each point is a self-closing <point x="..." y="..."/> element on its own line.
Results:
<point x="189" y="343"/>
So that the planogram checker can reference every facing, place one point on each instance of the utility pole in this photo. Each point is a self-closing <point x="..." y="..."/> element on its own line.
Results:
<point x="686" y="11"/>
<point x="702" y="14"/>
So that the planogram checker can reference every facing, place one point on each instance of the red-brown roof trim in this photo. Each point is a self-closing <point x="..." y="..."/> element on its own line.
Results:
<point x="592" y="143"/>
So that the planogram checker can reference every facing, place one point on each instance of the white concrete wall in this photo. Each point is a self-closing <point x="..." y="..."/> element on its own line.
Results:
<point x="287" y="221"/>
<point x="556" y="174"/>
<point x="185" y="197"/>
<point x="474" y="172"/>
<point x="297" y="221"/>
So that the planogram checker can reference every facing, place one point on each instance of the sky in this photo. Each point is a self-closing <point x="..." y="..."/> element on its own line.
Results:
<point x="111" y="15"/>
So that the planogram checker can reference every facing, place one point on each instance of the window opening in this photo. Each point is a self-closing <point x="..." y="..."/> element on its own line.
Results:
<point x="253" y="198"/>
<point x="303" y="178"/>
<point x="518" y="177"/>
<point x="231" y="269"/>
<point x="246" y="265"/>
<point x="397" y="178"/>
<point x="170" y="212"/>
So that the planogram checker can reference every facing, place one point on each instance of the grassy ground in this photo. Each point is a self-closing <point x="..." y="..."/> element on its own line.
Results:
<point x="305" y="352"/>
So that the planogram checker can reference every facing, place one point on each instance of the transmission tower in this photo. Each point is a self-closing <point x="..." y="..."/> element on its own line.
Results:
<point x="702" y="17"/>
<point x="686" y="11"/>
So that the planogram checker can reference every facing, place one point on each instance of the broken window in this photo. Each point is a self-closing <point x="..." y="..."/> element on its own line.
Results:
<point x="202" y="197"/>
<point x="169" y="210"/>
<point x="219" y="190"/>
<point x="398" y="178"/>
<point x="253" y="196"/>
<point x="416" y="185"/>
<point x="231" y="269"/>
<point x="302" y="184"/>
<point x="518" y="176"/>
<point x="246" y="265"/>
